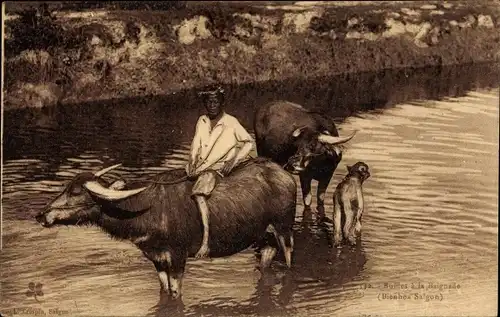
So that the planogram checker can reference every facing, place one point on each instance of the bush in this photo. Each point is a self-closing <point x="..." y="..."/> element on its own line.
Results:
<point x="37" y="29"/>
<point x="30" y="66"/>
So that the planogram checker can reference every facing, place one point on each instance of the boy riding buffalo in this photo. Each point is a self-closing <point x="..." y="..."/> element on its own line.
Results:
<point x="220" y="143"/>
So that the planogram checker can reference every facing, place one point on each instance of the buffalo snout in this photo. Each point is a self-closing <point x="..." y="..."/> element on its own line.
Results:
<point x="297" y="168"/>
<point x="297" y="164"/>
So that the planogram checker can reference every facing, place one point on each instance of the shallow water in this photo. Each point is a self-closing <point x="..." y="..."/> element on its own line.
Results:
<point x="429" y="136"/>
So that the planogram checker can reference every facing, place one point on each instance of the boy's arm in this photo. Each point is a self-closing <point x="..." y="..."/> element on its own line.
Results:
<point x="243" y="152"/>
<point x="217" y="152"/>
<point x="359" y="196"/>
<point x="243" y="136"/>
<point x="195" y="146"/>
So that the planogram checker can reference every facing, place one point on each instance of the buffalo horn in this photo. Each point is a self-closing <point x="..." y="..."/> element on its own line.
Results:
<point x="323" y="138"/>
<point x="105" y="170"/>
<point x="111" y="194"/>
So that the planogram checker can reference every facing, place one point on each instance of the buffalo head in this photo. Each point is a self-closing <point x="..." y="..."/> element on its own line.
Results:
<point x="76" y="205"/>
<point x="310" y="144"/>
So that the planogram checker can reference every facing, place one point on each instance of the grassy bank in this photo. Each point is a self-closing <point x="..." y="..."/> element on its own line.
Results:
<point x="71" y="55"/>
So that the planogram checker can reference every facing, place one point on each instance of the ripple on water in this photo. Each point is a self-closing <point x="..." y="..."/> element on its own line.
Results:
<point x="431" y="216"/>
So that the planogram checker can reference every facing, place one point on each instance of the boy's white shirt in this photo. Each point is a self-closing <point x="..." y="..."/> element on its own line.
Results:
<point x="212" y="148"/>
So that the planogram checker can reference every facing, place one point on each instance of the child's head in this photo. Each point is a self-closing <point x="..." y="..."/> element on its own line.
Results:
<point x="359" y="169"/>
<point x="213" y="99"/>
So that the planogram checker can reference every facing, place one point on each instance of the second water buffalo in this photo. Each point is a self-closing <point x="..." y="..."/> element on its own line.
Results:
<point x="306" y="143"/>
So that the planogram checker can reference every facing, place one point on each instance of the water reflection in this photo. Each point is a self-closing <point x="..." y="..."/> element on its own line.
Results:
<point x="432" y="203"/>
<point x="319" y="274"/>
<point x="140" y="131"/>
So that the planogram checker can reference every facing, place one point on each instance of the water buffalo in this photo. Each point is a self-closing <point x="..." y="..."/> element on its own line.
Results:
<point x="305" y="142"/>
<point x="161" y="219"/>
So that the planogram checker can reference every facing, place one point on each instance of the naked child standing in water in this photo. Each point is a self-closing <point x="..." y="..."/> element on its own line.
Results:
<point x="220" y="143"/>
<point x="348" y="204"/>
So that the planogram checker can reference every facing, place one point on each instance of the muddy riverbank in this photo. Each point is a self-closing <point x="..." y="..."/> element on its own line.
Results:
<point x="71" y="56"/>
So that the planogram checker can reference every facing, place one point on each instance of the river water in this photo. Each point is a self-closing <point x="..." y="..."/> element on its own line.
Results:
<point x="430" y="137"/>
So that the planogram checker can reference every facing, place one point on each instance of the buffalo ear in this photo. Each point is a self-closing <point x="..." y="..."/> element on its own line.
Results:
<point x="335" y="149"/>
<point x="118" y="184"/>
<point x="349" y="168"/>
<point x="298" y="131"/>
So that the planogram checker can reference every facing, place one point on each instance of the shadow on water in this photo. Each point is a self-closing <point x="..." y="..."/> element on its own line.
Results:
<point x="318" y="271"/>
<point x="142" y="131"/>
<point x="421" y="212"/>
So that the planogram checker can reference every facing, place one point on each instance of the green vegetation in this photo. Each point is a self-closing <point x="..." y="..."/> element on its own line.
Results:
<point x="76" y="54"/>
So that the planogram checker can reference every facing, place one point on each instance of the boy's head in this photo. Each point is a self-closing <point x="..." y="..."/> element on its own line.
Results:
<point x="360" y="169"/>
<point x="213" y="99"/>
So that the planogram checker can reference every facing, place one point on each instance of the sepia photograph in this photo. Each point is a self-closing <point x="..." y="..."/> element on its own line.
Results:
<point x="249" y="158"/>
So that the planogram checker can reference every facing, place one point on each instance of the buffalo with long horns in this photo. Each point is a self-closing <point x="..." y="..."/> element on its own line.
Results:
<point x="161" y="219"/>
<point x="307" y="143"/>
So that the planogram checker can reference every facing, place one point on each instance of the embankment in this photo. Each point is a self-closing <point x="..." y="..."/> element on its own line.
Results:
<point x="74" y="56"/>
